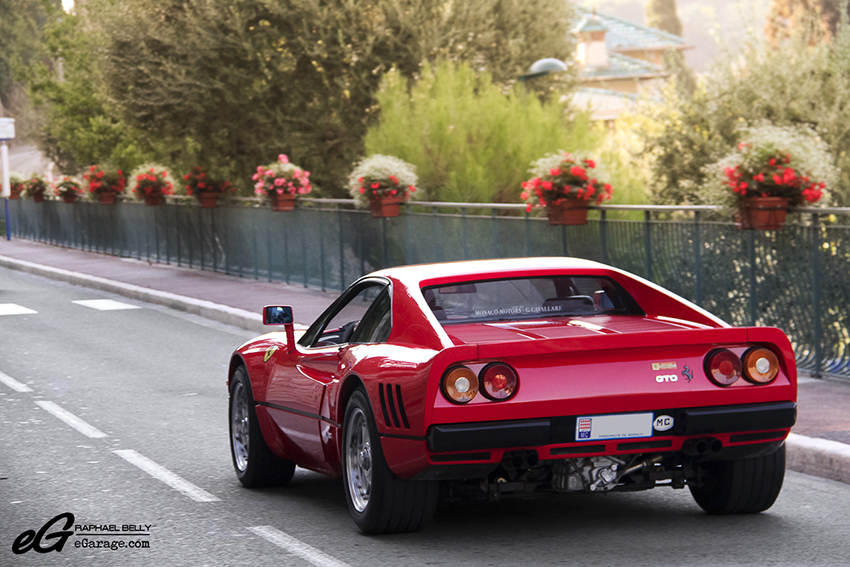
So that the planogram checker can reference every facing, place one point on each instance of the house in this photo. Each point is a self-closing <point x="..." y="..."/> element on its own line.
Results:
<point x="618" y="61"/>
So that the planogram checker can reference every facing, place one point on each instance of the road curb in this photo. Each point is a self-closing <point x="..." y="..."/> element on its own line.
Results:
<point x="214" y="311"/>
<point x="818" y="457"/>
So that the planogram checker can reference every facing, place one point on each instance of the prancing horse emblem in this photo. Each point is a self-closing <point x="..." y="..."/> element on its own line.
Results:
<point x="269" y="353"/>
<point x="688" y="374"/>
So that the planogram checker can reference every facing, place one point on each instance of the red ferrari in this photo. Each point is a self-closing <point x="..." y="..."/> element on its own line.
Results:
<point x="511" y="377"/>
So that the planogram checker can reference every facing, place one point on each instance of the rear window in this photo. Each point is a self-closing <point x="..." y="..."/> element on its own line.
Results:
<point x="528" y="298"/>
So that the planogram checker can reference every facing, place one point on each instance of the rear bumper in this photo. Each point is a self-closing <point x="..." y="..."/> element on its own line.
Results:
<point x="747" y="423"/>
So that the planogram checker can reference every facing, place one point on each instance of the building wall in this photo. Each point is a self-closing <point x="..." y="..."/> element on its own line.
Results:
<point x="654" y="56"/>
<point x="621" y="85"/>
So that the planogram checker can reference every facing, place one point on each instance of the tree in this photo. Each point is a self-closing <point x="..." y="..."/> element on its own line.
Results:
<point x="662" y="15"/>
<point x="231" y="84"/>
<point x="79" y="125"/>
<point x="787" y="16"/>
<point x="803" y="80"/>
<point x="501" y="37"/>
<point x="21" y="32"/>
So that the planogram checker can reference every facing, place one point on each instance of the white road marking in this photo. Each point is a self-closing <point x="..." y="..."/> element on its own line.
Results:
<point x="14" y="309"/>
<point x="164" y="475"/>
<point x="71" y="419"/>
<point x="105" y="304"/>
<point x="297" y="547"/>
<point x="14" y="384"/>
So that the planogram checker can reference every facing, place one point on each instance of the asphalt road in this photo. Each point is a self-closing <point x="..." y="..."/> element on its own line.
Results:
<point x="149" y="384"/>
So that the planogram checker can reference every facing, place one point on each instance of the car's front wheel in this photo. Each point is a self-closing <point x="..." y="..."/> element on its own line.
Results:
<point x="254" y="462"/>
<point x="741" y="486"/>
<point x="379" y="501"/>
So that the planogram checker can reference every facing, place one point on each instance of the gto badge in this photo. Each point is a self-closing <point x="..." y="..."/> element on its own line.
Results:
<point x="662" y="423"/>
<point x="269" y="353"/>
<point x="667" y="378"/>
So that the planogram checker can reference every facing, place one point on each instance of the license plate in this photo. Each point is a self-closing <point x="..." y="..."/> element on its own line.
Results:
<point x="618" y="426"/>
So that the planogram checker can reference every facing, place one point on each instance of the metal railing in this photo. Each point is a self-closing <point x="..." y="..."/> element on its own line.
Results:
<point x="797" y="278"/>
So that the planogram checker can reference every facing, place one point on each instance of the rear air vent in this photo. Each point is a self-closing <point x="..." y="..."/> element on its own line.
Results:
<point x="761" y="436"/>
<point x="577" y="450"/>
<point x="392" y="405"/>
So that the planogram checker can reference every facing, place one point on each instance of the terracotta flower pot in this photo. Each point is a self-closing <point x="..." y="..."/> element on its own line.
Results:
<point x="568" y="211"/>
<point x="209" y="200"/>
<point x="153" y="200"/>
<point x="69" y="197"/>
<point x="282" y="202"/>
<point x="762" y="213"/>
<point x="107" y="197"/>
<point x="14" y="193"/>
<point x="38" y="197"/>
<point x="386" y="206"/>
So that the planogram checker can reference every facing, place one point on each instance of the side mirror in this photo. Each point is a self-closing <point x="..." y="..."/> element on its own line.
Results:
<point x="281" y="315"/>
<point x="277" y="315"/>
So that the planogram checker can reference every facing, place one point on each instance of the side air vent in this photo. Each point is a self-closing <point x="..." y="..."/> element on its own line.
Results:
<point x="392" y="405"/>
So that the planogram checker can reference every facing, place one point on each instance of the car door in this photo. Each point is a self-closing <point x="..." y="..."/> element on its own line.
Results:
<point x="300" y="379"/>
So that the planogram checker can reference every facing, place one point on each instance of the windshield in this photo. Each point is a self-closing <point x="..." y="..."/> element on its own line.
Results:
<point x="528" y="298"/>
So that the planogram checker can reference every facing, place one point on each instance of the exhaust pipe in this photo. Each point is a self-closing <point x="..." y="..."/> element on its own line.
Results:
<point x="701" y="447"/>
<point x="520" y="460"/>
<point x="640" y="466"/>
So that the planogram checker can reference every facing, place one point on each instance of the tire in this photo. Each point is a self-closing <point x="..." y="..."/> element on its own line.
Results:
<point x="379" y="502"/>
<point x="254" y="462"/>
<point x="741" y="486"/>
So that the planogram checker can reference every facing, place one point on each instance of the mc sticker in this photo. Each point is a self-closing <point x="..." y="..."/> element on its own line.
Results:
<point x="662" y="423"/>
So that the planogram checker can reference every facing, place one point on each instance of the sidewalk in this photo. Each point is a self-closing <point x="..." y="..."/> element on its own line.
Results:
<point x="820" y="444"/>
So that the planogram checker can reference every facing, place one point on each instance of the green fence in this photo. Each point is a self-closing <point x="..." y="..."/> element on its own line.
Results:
<point x="797" y="278"/>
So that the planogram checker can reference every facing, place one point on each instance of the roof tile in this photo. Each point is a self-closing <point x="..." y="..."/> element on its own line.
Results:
<point x="627" y="35"/>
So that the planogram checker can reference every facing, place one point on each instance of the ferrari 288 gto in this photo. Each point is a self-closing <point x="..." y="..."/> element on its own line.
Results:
<point x="510" y="377"/>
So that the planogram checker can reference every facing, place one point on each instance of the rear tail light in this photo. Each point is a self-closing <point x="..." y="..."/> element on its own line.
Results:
<point x="723" y="367"/>
<point x="498" y="381"/>
<point x="460" y="385"/>
<point x="760" y="365"/>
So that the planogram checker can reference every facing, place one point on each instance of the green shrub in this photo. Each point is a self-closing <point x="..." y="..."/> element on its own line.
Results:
<point x="470" y="141"/>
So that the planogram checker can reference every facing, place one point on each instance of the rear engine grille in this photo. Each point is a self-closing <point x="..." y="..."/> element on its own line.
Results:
<point x="392" y="405"/>
<point x="643" y="445"/>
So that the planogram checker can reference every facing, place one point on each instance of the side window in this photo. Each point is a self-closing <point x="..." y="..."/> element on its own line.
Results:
<point x="376" y="324"/>
<point x="339" y="325"/>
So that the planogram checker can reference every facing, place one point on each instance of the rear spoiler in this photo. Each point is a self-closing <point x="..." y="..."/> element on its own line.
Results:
<point x="674" y="337"/>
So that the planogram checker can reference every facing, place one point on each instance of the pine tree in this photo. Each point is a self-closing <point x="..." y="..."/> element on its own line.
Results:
<point x="662" y="15"/>
<point x="788" y="16"/>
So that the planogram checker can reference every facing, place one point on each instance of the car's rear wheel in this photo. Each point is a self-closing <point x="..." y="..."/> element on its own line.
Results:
<point x="254" y="462"/>
<point x="741" y="486"/>
<point x="379" y="501"/>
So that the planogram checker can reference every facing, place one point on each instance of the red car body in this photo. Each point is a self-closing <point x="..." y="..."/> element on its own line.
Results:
<point x="568" y="368"/>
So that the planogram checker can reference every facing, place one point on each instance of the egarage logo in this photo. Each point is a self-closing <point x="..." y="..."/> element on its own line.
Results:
<point x="37" y="541"/>
<point x="54" y="534"/>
